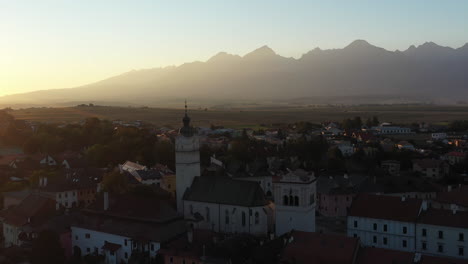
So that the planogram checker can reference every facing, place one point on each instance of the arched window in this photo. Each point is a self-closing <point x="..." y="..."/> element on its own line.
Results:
<point x="291" y="200"/>
<point x="296" y="200"/>
<point x="257" y="218"/>
<point x="191" y="209"/>
<point x="207" y="214"/>
<point x="243" y="218"/>
<point x="285" y="200"/>
<point x="227" y="217"/>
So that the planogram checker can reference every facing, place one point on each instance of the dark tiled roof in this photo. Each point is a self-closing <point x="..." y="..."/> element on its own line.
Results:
<point x="311" y="248"/>
<point x="385" y="207"/>
<point x="441" y="260"/>
<point x="370" y="255"/>
<point x="457" y="196"/>
<point x="149" y="174"/>
<point x="134" y="229"/>
<point x="224" y="190"/>
<point x="442" y="217"/>
<point x="131" y="206"/>
<point x="33" y="210"/>
<point x="428" y="163"/>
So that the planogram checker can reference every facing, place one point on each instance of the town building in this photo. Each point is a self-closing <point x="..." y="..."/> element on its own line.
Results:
<point x="295" y="197"/>
<point x="443" y="233"/>
<point x="429" y="168"/>
<point x="124" y="227"/>
<point x="384" y="221"/>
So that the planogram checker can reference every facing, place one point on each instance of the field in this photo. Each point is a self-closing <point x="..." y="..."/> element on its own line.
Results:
<point x="249" y="117"/>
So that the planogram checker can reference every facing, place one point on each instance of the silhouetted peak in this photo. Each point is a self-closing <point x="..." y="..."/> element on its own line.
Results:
<point x="262" y="52"/>
<point x="464" y="47"/>
<point x="358" y="44"/>
<point x="223" y="56"/>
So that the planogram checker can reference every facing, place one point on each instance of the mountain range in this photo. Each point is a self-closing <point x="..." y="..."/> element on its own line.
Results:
<point x="359" y="70"/>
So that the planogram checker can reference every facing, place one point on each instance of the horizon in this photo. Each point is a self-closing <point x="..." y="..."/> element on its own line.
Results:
<point x="80" y="43"/>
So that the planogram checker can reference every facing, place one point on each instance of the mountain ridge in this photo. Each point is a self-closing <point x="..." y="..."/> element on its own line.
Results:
<point x="358" y="68"/>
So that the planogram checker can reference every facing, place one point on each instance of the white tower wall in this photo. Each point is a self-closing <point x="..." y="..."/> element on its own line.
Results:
<point x="187" y="165"/>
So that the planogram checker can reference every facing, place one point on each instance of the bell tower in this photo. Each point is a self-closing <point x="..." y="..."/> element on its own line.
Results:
<point x="187" y="159"/>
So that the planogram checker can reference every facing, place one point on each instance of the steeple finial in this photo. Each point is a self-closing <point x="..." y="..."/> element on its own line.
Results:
<point x="186" y="130"/>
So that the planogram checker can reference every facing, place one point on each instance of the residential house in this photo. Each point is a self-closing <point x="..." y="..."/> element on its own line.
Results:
<point x="392" y="167"/>
<point x="405" y="145"/>
<point x="388" y="129"/>
<point x="429" y="168"/>
<point x="384" y="221"/>
<point x="121" y="227"/>
<point x="455" y="157"/>
<point x="21" y="221"/>
<point x="335" y="194"/>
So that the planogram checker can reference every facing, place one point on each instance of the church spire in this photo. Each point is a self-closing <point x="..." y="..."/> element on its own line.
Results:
<point x="186" y="130"/>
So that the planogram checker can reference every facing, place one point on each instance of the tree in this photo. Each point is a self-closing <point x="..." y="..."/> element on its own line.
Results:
<point x="115" y="182"/>
<point x="46" y="249"/>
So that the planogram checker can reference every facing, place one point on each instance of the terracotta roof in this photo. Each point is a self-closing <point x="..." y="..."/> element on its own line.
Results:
<point x="224" y="190"/>
<point x="111" y="247"/>
<point x="457" y="196"/>
<point x="385" y="207"/>
<point x="316" y="248"/>
<point x="369" y="255"/>
<point x="442" y="217"/>
<point x="131" y="206"/>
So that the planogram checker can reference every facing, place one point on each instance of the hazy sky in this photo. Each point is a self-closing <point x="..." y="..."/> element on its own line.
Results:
<point x="65" y="43"/>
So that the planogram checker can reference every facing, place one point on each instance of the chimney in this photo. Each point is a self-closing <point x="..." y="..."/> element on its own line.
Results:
<point x="45" y="181"/>
<point x="449" y="188"/>
<point x="190" y="236"/>
<point x="403" y="198"/>
<point x="41" y="180"/>
<point x="106" y="201"/>
<point x="424" y="205"/>
<point x="454" y="210"/>
<point x="345" y="175"/>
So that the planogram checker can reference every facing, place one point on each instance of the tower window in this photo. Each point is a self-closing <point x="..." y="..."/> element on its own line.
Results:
<point x="285" y="200"/>
<point x="243" y="218"/>
<point x="227" y="217"/>
<point x="257" y="218"/>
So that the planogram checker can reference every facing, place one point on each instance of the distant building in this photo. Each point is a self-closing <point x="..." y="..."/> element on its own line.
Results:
<point x="388" y="129"/>
<point x="429" y="168"/>
<point x="392" y="167"/>
<point x="438" y="136"/>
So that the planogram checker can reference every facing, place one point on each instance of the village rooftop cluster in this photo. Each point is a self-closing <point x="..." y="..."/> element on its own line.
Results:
<point x="353" y="191"/>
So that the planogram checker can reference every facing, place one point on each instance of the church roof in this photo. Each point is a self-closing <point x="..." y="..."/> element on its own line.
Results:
<point x="224" y="190"/>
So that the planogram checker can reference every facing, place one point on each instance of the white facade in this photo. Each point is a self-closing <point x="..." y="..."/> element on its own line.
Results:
<point x="91" y="242"/>
<point x="383" y="233"/>
<point x="10" y="235"/>
<point x="295" y="203"/>
<point x="387" y="130"/>
<point x="442" y="240"/>
<point x="187" y="165"/>
<point x="230" y="218"/>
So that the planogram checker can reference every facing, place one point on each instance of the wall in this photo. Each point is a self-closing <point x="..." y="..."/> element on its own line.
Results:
<point x="450" y="240"/>
<point x="394" y="233"/>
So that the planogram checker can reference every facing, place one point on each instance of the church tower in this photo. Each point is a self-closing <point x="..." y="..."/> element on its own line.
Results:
<point x="294" y="195"/>
<point x="187" y="159"/>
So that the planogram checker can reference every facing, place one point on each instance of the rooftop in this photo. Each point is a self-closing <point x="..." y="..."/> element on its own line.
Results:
<point x="386" y="207"/>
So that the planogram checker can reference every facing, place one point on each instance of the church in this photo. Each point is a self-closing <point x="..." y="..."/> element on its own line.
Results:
<point x="228" y="205"/>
